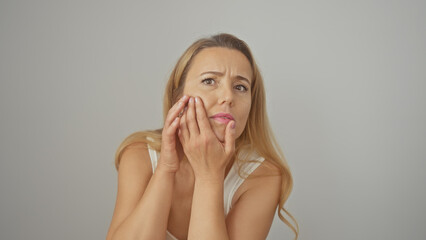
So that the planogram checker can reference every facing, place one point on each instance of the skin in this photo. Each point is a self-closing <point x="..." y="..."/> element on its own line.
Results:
<point x="220" y="80"/>
<point x="181" y="193"/>
<point x="224" y="91"/>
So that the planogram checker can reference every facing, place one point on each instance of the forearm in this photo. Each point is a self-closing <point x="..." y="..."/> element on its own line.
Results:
<point x="149" y="218"/>
<point x="207" y="213"/>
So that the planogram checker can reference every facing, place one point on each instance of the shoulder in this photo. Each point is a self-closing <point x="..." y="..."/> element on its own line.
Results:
<point x="266" y="177"/>
<point x="135" y="168"/>
<point x="269" y="167"/>
<point x="134" y="173"/>
<point x="135" y="156"/>
<point x="257" y="203"/>
<point x="266" y="171"/>
<point x="264" y="167"/>
<point x="136" y="150"/>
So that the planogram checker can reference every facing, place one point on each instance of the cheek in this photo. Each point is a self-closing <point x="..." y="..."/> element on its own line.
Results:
<point x="190" y="88"/>
<point x="208" y="101"/>
<point x="245" y="111"/>
<point x="243" y="114"/>
<point x="193" y="91"/>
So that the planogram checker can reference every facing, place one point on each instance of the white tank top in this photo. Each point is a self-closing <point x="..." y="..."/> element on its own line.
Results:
<point x="231" y="183"/>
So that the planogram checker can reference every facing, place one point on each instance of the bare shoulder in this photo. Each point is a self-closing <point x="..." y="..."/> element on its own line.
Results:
<point x="135" y="160"/>
<point x="134" y="173"/>
<point x="256" y="204"/>
<point x="267" y="168"/>
<point x="267" y="179"/>
<point x="267" y="174"/>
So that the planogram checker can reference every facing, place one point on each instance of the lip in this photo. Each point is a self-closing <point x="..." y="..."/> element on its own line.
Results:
<point x="223" y="117"/>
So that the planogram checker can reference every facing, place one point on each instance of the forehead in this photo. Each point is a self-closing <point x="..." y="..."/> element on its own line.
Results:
<point x="221" y="59"/>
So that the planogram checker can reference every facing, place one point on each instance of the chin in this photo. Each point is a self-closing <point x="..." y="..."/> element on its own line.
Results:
<point x="220" y="135"/>
<point x="218" y="130"/>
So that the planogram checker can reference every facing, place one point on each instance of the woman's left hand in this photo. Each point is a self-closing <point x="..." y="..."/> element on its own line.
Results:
<point x="206" y="154"/>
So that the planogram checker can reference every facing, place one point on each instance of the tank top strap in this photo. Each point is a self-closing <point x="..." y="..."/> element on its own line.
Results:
<point x="153" y="155"/>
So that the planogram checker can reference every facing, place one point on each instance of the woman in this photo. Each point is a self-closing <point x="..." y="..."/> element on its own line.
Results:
<point x="214" y="171"/>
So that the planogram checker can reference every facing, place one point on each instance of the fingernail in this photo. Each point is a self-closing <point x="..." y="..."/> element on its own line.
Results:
<point x="191" y="100"/>
<point x="196" y="99"/>
<point x="233" y="125"/>
<point x="182" y="99"/>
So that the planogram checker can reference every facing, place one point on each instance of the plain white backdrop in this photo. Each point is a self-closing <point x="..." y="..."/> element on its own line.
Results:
<point x="345" y="83"/>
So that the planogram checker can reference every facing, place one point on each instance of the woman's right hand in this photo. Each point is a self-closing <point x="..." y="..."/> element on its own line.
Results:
<point x="169" y="160"/>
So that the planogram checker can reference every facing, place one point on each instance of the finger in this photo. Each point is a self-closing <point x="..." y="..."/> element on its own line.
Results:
<point x="175" y="110"/>
<point x="202" y="118"/>
<point x="191" y="120"/>
<point x="183" y="126"/>
<point x="179" y="133"/>
<point x="230" y="137"/>
<point x="171" y="130"/>
<point x="170" y="137"/>
<point x="181" y="139"/>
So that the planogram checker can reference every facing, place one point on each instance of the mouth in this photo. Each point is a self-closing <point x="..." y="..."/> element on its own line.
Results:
<point x="223" y="117"/>
<point x="222" y="120"/>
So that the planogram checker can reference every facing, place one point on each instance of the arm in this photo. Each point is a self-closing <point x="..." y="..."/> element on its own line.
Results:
<point x="251" y="216"/>
<point x="207" y="214"/>
<point x="208" y="158"/>
<point x="143" y="202"/>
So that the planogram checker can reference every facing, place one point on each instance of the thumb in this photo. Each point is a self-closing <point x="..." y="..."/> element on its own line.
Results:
<point x="230" y="137"/>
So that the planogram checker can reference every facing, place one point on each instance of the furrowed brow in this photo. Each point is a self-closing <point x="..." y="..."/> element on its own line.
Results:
<point x="239" y="77"/>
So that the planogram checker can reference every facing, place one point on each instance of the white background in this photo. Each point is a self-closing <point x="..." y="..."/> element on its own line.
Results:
<point x="345" y="83"/>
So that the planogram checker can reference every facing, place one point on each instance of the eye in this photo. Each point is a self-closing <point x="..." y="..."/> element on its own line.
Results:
<point x="208" y="81"/>
<point x="241" y="88"/>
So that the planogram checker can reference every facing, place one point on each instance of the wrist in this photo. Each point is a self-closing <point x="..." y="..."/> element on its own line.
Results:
<point x="210" y="179"/>
<point x="166" y="168"/>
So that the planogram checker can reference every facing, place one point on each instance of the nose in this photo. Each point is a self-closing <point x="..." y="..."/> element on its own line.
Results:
<point x="226" y="95"/>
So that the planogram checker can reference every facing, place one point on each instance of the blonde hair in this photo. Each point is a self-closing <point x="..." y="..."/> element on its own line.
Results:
<point x="257" y="135"/>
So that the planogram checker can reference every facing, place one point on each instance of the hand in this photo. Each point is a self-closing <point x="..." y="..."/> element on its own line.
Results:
<point x="169" y="160"/>
<point x="206" y="154"/>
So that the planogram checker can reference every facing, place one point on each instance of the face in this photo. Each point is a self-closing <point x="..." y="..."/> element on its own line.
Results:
<point x="222" y="78"/>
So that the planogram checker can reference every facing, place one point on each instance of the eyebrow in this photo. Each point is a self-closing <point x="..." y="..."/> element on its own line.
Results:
<point x="221" y="74"/>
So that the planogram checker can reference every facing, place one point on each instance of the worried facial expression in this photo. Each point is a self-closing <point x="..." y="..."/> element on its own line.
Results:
<point x="222" y="78"/>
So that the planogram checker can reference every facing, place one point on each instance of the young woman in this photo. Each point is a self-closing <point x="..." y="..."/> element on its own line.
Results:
<point x="215" y="170"/>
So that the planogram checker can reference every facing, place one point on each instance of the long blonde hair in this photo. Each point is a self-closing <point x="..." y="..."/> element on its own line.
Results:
<point x="257" y="135"/>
